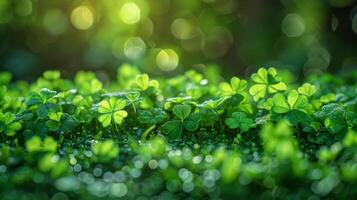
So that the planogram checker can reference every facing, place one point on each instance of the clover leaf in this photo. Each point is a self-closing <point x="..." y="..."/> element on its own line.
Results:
<point x="181" y="111"/>
<point x="152" y="116"/>
<point x="112" y="110"/>
<point x="293" y="108"/>
<point x="142" y="82"/>
<point x="307" y="89"/>
<point x="105" y="150"/>
<point x="192" y="122"/>
<point x="35" y="144"/>
<point x="293" y="102"/>
<point x="235" y="87"/>
<point x="8" y="124"/>
<point x="240" y="120"/>
<point x="266" y="81"/>
<point x="172" y="128"/>
<point x="333" y="116"/>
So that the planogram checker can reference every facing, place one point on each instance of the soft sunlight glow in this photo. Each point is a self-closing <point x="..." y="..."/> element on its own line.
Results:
<point x="82" y="18"/>
<point x="134" y="48"/>
<point x="167" y="59"/>
<point x="130" y="13"/>
<point x="293" y="25"/>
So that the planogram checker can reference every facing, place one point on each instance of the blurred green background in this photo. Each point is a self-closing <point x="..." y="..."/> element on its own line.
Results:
<point x="170" y="36"/>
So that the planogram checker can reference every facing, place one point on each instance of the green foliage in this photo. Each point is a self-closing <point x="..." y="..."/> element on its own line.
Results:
<point x="186" y="137"/>
<point x="293" y="107"/>
<point x="235" y="87"/>
<point x="8" y="124"/>
<point x="105" y="150"/>
<point x="112" y="110"/>
<point x="266" y="81"/>
<point x="240" y="120"/>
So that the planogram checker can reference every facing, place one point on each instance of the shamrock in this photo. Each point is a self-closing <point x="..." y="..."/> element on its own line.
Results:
<point x="55" y="120"/>
<point x="235" y="87"/>
<point x="112" y="110"/>
<point x="105" y="150"/>
<point x="8" y="124"/>
<point x="333" y="116"/>
<point x="294" y="107"/>
<point x="307" y="89"/>
<point x="240" y="120"/>
<point x="174" y="128"/>
<point x="266" y="81"/>
<point x="142" y="82"/>
<point x="35" y="144"/>
<point x="153" y="116"/>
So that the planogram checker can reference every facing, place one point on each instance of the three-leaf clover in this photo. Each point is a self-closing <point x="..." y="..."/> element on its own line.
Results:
<point x="142" y="82"/>
<point x="174" y="128"/>
<point x="105" y="150"/>
<point x="235" y="87"/>
<point x="294" y="106"/>
<point x="240" y="120"/>
<point x="35" y="144"/>
<point x="112" y="110"/>
<point x="8" y="124"/>
<point x="307" y="89"/>
<point x="266" y="81"/>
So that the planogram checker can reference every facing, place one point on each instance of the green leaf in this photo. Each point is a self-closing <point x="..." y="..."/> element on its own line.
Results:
<point x="55" y="116"/>
<point x="133" y="96"/>
<point x="105" y="150"/>
<point x="153" y="116"/>
<point x="52" y="125"/>
<point x="111" y="109"/>
<point x="35" y="144"/>
<point x="240" y="120"/>
<point x="307" y="89"/>
<point x="295" y="116"/>
<point x="266" y="81"/>
<point x="280" y="104"/>
<point x="52" y="74"/>
<point x="192" y="122"/>
<point x="8" y="125"/>
<point x="236" y="86"/>
<point x="334" y="117"/>
<point x="172" y="128"/>
<point x="181" y="111"/>
<point x="119" y="116"/>
<point x="293" y="102"/>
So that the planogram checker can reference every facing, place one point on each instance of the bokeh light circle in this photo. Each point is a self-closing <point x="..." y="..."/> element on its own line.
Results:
<point x="167" y="59"/>
<point x="182" y="29"/>
<point x="293" y="25"/>
<point x="134" y="48"/>
<point x="130" y="13"/>
<point x="82" y="17"/>
<point x="54" y="21"/>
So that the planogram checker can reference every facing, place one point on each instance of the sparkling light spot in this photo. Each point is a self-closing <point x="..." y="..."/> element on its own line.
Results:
<point x="130" y="13"/>
<point x="134" y="48"/>
<point x="167" y="59"/>
<point x="293" y="25"/>
<point x="82" y="18"/>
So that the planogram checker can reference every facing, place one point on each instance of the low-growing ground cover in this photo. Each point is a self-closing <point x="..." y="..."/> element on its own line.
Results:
<point x="191" y="136"/>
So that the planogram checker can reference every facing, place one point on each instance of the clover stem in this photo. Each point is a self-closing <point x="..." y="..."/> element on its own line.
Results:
<point x="117" y="130"/>
<point x="133" y="107"/>
<point x="147" y="131"/>
<point x="220" y="121"/>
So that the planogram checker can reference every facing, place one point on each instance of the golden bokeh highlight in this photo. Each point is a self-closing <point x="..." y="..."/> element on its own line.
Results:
<point x="130" y="13"/>
<point x="167" y="59"/>
<point x="82" y="17"/>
